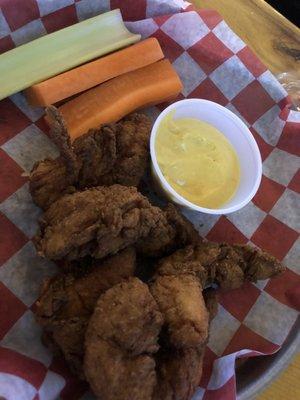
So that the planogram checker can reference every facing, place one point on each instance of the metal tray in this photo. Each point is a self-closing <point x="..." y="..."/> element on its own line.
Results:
<point x="256" y="373"/>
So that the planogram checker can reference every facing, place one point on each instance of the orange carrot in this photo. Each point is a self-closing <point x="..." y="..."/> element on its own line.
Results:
<point x="120" y="96"/>
<point x="92" y="74"/>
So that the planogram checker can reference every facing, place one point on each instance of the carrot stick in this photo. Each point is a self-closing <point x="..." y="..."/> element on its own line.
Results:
<point x="112" y="100"/>
<point x="92" y="74"/>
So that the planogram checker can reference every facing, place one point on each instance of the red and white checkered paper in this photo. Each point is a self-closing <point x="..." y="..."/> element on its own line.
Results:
<point x="214" y="64"/>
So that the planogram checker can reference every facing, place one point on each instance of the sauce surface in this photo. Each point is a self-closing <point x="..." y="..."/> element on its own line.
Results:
<point x="197" y="161"/>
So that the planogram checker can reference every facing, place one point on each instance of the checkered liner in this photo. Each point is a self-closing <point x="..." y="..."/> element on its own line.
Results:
<point x="214" y="64"/>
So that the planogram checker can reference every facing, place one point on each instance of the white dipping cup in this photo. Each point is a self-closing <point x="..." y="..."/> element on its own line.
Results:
<point x="234" y="129"/>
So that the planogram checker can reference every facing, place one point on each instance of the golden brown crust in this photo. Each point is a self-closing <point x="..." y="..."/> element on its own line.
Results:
<point x="96" y="151"/>
<point x="227" y="266"/>
<point x="97" y="222"/>
<point x="114" y="153"/>
<point x="132" y="136"/>
<point x="123" y="359"/>
<point x="121" y="337"/>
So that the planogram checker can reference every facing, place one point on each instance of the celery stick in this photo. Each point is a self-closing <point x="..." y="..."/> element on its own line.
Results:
<point x="57" y="52"/>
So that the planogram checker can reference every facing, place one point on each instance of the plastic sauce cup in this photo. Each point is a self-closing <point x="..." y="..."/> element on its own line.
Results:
<point x="234" y="129"/>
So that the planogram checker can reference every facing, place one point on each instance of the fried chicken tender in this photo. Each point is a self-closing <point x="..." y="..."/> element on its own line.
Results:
<point x="66" y="303"/>
<point x="179" y="370"/>
<point x="228" y="266"/>
<point x="181" y="302"/>
<point x="178" y="373"/>
<point x="100" y="221"/>
<point x="97" y="222"/>
<point x="121" y="362"/>
<point x="173" y="231"/>
<point x="132" y="151"/>
<point x="120" y="341"/>
<point x="114" y="153"/>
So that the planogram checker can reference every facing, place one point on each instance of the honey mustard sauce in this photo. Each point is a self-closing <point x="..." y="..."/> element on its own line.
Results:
<point x="197" y="161"/>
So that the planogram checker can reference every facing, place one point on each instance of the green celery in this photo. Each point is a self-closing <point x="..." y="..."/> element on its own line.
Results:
<point x="57" y="52"/>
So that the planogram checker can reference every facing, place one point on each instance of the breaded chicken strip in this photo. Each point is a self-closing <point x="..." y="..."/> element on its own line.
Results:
<point x="120" y="341"/>
<point x="103" y="220"/>
<point x="181" y="303"/>
<point x="66" y="303"/>
<point x="97" y="222"/>
<point x="228" y="266"/>
<point x="132" y="151"/>
<point x="179" y="370"/>
<point x="114" y="153"/>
